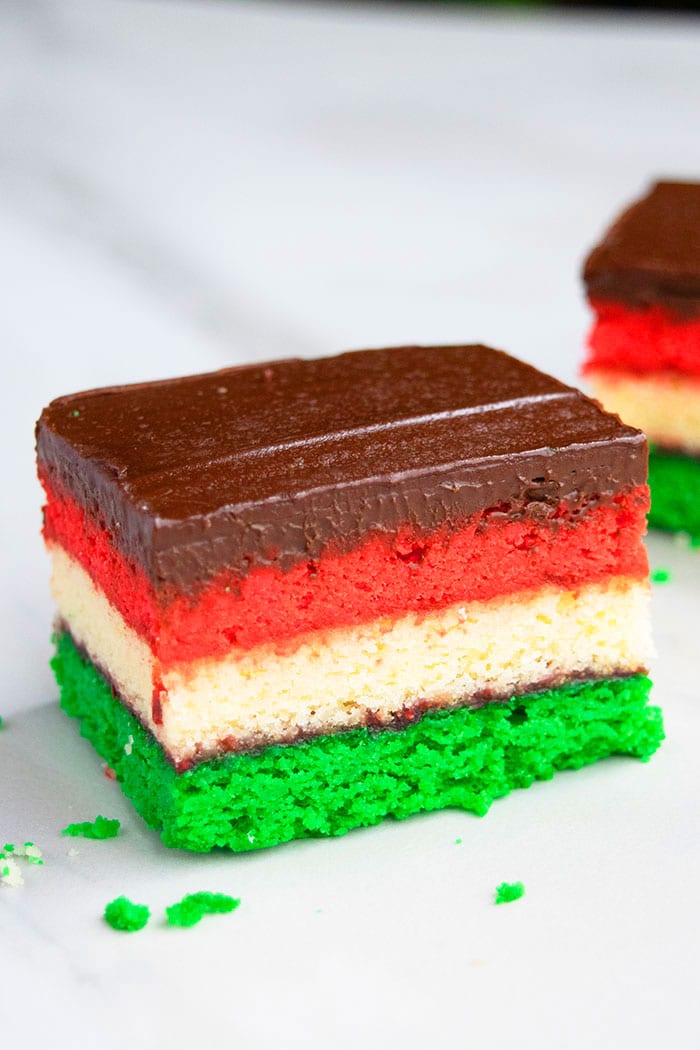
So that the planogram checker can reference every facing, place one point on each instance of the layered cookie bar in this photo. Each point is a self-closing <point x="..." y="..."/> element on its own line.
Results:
<point x="643" y="282"/>
<point x="299" y="597"/>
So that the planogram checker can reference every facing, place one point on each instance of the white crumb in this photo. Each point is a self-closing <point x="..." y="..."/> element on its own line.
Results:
<point x="683" y="540"/>
<point x="10" y="875"/>
<point x="129" y="745"/>
<point x="29" y="851"/>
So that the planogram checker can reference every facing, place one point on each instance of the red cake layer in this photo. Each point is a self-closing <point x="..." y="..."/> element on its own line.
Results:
<point x="386" y="577"/>
<point x="642" y="341"/>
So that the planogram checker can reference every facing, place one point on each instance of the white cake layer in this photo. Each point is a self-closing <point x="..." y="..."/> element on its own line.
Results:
<point x="335" y="679"/>
<point x="664" y="405"/>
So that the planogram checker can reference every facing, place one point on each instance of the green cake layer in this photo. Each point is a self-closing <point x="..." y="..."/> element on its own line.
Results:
<point x="326" y="786"/>
<point x="674" y="480"/>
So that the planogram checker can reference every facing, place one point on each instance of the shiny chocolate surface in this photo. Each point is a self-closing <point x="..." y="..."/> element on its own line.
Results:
<point x="651" y="254"/>
<point x="272" y="464"/>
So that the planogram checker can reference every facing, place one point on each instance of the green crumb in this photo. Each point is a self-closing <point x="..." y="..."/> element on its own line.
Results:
<point x="458" y="842"/>
<point x="509" y="891"/>
<point x="123" y="914"/>
<point x="99" y="828"/>
<point x="195" y="906"/>
<point x="76" y="412"/>
<point x="9" y="847"/>
<point x="660" y="576"/>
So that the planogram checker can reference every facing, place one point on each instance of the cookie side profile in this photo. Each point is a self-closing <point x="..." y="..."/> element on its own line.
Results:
<point x="643" y="283"/>
<point x="298" y="597"/>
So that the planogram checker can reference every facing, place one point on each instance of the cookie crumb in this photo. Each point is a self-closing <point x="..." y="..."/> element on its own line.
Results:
<point x="99" y="828"/>
<point x="194" y="906"/>
<point x="10" y="874"/>
<point x="30" y="852"/>
<point x="509" y="891"/>
<point x="123" y="914"/>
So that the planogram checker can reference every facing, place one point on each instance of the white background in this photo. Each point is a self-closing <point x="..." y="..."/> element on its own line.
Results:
<point x="186" y="185"/>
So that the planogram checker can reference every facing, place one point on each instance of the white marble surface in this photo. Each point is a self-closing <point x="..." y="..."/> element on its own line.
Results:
<point x="184" y="185"/>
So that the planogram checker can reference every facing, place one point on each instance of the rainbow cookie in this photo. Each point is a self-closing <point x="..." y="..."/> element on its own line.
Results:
<point x="299" y="597"/>
<point x="643" y="282"/>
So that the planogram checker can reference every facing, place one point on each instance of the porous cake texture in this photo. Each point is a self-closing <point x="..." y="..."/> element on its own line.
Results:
<point x="296" y="598"/>
<point x="643" y="283"/>
<point x="463" y="758"/>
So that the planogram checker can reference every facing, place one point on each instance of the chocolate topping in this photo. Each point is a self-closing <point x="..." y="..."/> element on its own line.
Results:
<point x="273" y="464"/>
<point x="651" y="255"/>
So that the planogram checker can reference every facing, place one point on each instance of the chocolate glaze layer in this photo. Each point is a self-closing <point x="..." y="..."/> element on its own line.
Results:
<point x="651" y="254"/>
<point x="273" y="464"/>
